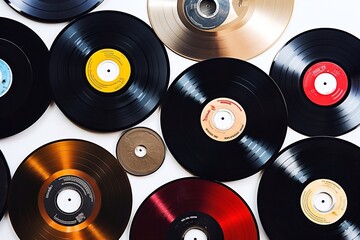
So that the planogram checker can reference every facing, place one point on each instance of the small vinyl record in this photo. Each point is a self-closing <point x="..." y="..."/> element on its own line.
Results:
<point x="141" y="151"/>
<point x="193" y="208"/>
<point x="24" y="85"/>
<point x="223" y="119"/>
<point x="5" y="178"/>
<point x="311" y="191"/>
<point x="70" y="189"/>
<point x="204" y="29"/>
<point x="318" y="72"/>
<point x="53" y="11"/>
<point x="108" y="71"/>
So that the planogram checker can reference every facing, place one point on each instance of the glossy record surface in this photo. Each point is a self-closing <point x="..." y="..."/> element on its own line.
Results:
<point x="29" y="95"/>
<point x="242" y="82"/>
<point x="62" y="158"/>
<point x="5" y="178"/>
<point x="299" y="164"/>
<point x="161" y="209"/>
<point x="53" y="10"/>
<point x="288" y="70"/>
<point x="119" y="110"/>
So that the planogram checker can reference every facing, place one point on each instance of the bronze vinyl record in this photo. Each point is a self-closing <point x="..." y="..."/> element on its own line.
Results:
<point x="194" y="209"/>
<point x="203" y="29"/>
<point x="70" y="189"/>
<point x="141" y="151"/>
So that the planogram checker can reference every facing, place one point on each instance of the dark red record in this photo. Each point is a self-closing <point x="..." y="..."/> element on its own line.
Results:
<point x="193" y="208"/>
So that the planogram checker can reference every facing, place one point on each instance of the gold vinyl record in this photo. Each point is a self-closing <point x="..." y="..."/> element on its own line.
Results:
<point x="70" y="189"/>
<point x="141" y="151"/>
<point x="204" y="29"/>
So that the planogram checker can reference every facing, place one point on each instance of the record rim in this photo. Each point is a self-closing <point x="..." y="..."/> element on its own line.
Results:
<point x="50" y="20"/>
<point x="5" y="194"/>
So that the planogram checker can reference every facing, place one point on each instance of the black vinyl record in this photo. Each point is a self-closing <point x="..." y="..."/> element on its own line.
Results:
<point x="194" y="208"/>
<point x="70" y="189"/>
<point x="24" y="86"/>
<point x="53" y="11"/>
<point x="318" y="72"/>
<point x="5" y="178"/>
<point x="223" y="119"/>
<point x="311" y="191"/>
<point x="108" y="71"/>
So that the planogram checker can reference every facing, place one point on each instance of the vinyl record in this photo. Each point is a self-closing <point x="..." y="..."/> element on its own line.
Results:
<point x="141" y="151"/>
<point x="52" y="11"/>
<point x="311" y="191"/>
<point x="318" y="72"/>
<point x="24" y="86"/>
<point x="108" y="71"/>
<point x="192" y="208"/>
<point x="204" y="29"/>
<point x="70" y="189"/>
<point x="5" y="178"/>
<point x="223" y="119"/>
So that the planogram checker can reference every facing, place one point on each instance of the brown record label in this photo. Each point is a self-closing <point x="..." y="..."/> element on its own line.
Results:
<point x="223" y="119"/>
<point x="323" y="201"/>
<point x="141" y="151"/>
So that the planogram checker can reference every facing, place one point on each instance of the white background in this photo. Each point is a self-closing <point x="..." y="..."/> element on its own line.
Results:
<point x="53" y="125"/>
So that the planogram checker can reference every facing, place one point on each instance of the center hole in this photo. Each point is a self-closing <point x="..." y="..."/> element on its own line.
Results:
<point x="208" y="8"/>
<point x="140" y="151"/>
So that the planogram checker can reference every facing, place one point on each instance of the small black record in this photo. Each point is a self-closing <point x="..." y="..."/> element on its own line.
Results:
<point x="223" y="119"/>
<point x="24" y="87"/>
<point x="108" y="71"/>
<point x="53" y="11"/>
<point x="5" y="178"/>
<point x="318" y="72"/>
<point x="311" y="191"/>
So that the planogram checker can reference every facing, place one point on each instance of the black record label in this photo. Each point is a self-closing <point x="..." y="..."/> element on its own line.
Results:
<point x="53" y="11"/>
<point x="224" y="119"/>
<point x="311" y="191"/>
<point x="111" y="73"/>
<point x="318" y="73"/>
<point x="24" y="85"/>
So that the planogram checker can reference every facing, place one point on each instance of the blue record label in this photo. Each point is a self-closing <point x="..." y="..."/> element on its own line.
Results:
<point x="5" y="77"/>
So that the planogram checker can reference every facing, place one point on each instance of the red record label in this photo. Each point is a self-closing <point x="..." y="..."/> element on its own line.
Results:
<point x="325" y="83"/>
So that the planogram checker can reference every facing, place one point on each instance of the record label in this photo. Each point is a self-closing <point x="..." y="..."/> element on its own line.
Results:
<point x="5" y="77"/>
<point x="223" y="119"/>
<point x="206" y="14"/>
<point x="69" y="200"/>
<point x="323" y="201"/>
<point x="108" y="70"/>
<point x="325" y="83"/>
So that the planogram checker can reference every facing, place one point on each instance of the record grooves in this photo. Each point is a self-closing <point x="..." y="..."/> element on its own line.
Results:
<point x="24" y="87"/>
<point x="53" y="11"/>
<point x="108" y="71"/>
<point x="5" y="178"/>
<point x="311" y="191"/>
<point x="318" y="73"/>
<point x="193" y="208"/>
<point x="70" y="189"/>
<point x="223" y="119"/>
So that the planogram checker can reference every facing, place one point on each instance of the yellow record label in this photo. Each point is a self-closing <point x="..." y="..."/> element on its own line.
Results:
<point x="323" y="201"/>
<point x="223" y="119"/>
<point x="108" y="70"/>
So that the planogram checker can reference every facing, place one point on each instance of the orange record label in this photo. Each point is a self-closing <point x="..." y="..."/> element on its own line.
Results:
<point x="108" y="70"/>
<point x="323" y="201"/>
<point x="223" y="119"/>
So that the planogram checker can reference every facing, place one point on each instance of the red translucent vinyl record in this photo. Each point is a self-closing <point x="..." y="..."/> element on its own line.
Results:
<point x="193" y="208"/>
